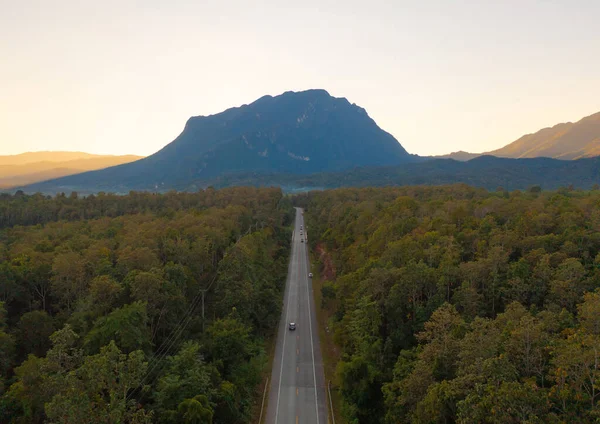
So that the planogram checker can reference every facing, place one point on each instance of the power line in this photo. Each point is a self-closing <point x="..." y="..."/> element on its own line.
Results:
<point x="176" y="333"/>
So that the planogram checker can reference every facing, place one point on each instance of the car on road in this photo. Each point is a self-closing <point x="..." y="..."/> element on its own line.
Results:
<point x="310" y="275"/>
<point x="292" y="325"/>
<point x="301" y="240"/>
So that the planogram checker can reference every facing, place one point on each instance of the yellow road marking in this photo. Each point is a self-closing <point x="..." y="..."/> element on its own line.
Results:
<point x="296" y="391"/>
<point x="297" y="369"/>
<point x="296" y="419"/>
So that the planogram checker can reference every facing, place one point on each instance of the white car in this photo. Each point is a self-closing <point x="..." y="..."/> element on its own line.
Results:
<point x="310" y="275"/>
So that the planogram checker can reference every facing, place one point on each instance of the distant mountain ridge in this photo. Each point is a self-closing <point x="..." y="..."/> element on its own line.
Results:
<point x="295" y="132"/>
<point x="52" y="156"/>
<point x="311" y="140"/>
<point x="567" y="141"/>
<point x="32" y="167"/>
<point x="461" y="155"/>
<point x="563" y="141"/>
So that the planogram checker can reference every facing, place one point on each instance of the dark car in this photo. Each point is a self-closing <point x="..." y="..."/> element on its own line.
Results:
<point x="292" y="325"/>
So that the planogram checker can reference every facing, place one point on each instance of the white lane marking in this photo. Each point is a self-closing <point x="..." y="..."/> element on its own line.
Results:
<point x="287" y="312"/>
<point x="312" y="348"/>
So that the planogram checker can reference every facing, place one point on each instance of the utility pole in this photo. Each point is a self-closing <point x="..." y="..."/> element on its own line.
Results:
<point x="203" y="292"/>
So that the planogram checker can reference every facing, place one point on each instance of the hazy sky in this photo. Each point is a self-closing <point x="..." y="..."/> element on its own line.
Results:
<point x="123" y="76"/>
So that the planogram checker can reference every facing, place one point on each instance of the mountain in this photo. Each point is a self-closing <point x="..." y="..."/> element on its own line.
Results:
<point x="563" y="141"/>
<point x="296" y="132"/>
<point x="566" y="141"/>
<point x="47" y="156"/>
<point x="460" y="156"/>
<point x="28" y="168"/>
<point x="485" y="171"/>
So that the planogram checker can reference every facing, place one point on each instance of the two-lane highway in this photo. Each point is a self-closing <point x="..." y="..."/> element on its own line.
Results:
<point x="297" y="392"/>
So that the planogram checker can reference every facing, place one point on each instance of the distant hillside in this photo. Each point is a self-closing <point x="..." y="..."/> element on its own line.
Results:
<point x="47" y="156"/>
<point x="460" y="156"/>
<point x="297" y="133"/>
<point x="567" y="141"/>
<point x="563" y="141"/>
<point x="29" y="168"/>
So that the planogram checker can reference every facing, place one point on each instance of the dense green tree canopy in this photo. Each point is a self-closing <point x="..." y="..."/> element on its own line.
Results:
<point x="455" y="304"/>
<point x="101" y="312"/>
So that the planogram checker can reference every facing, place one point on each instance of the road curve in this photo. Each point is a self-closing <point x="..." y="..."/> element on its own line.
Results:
<point x="297" y="391"/>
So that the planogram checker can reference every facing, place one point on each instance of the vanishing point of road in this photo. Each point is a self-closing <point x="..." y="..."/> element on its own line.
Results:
<point x="297" y="392"/>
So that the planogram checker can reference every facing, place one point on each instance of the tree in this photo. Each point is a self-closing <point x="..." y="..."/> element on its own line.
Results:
<point x="229" y="344"/>
<point x="576" y="371"/>
<point x="69" y="280"/>
<point x="589" y="313"/>
<point x="142" y="259"/>
<point x="104" y="293"/>
<point x="7" y="345"/>
<point x="127" y="326"/>
<point x="163" y="299"/>
<point x="34" y="331"/>
<point x="96" y="392"/>
<point x="568" y="284"/>
<point x="442" y="333"/>
<point x="359" y="384"/>
<point x="196" y="410"/>
<point x="185" y="375"/>
<point x="528" y="348"/>
<point x="512" y="402"/>
<point x="39" y="379"/>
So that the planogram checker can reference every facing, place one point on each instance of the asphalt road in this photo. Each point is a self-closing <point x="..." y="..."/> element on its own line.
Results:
<point x="297" y="391"/>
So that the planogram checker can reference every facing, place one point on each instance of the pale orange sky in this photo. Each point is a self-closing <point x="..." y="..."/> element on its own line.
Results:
<point x="123" y="76"/>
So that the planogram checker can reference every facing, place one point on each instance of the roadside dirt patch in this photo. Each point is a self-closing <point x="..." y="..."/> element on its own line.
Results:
<point x="328" y="272"/>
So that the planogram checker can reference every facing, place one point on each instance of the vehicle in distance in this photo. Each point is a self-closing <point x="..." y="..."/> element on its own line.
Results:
<point x="292" y="325"/>
<point x="301" y="240"/>
<point x="310" y="274"/>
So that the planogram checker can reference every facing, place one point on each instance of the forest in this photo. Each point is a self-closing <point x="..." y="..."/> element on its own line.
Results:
<point x="485" y="171"/>
<point x="460" y="305"/>
<point x="142" y="308"/>
<point x="449" y="304"/>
